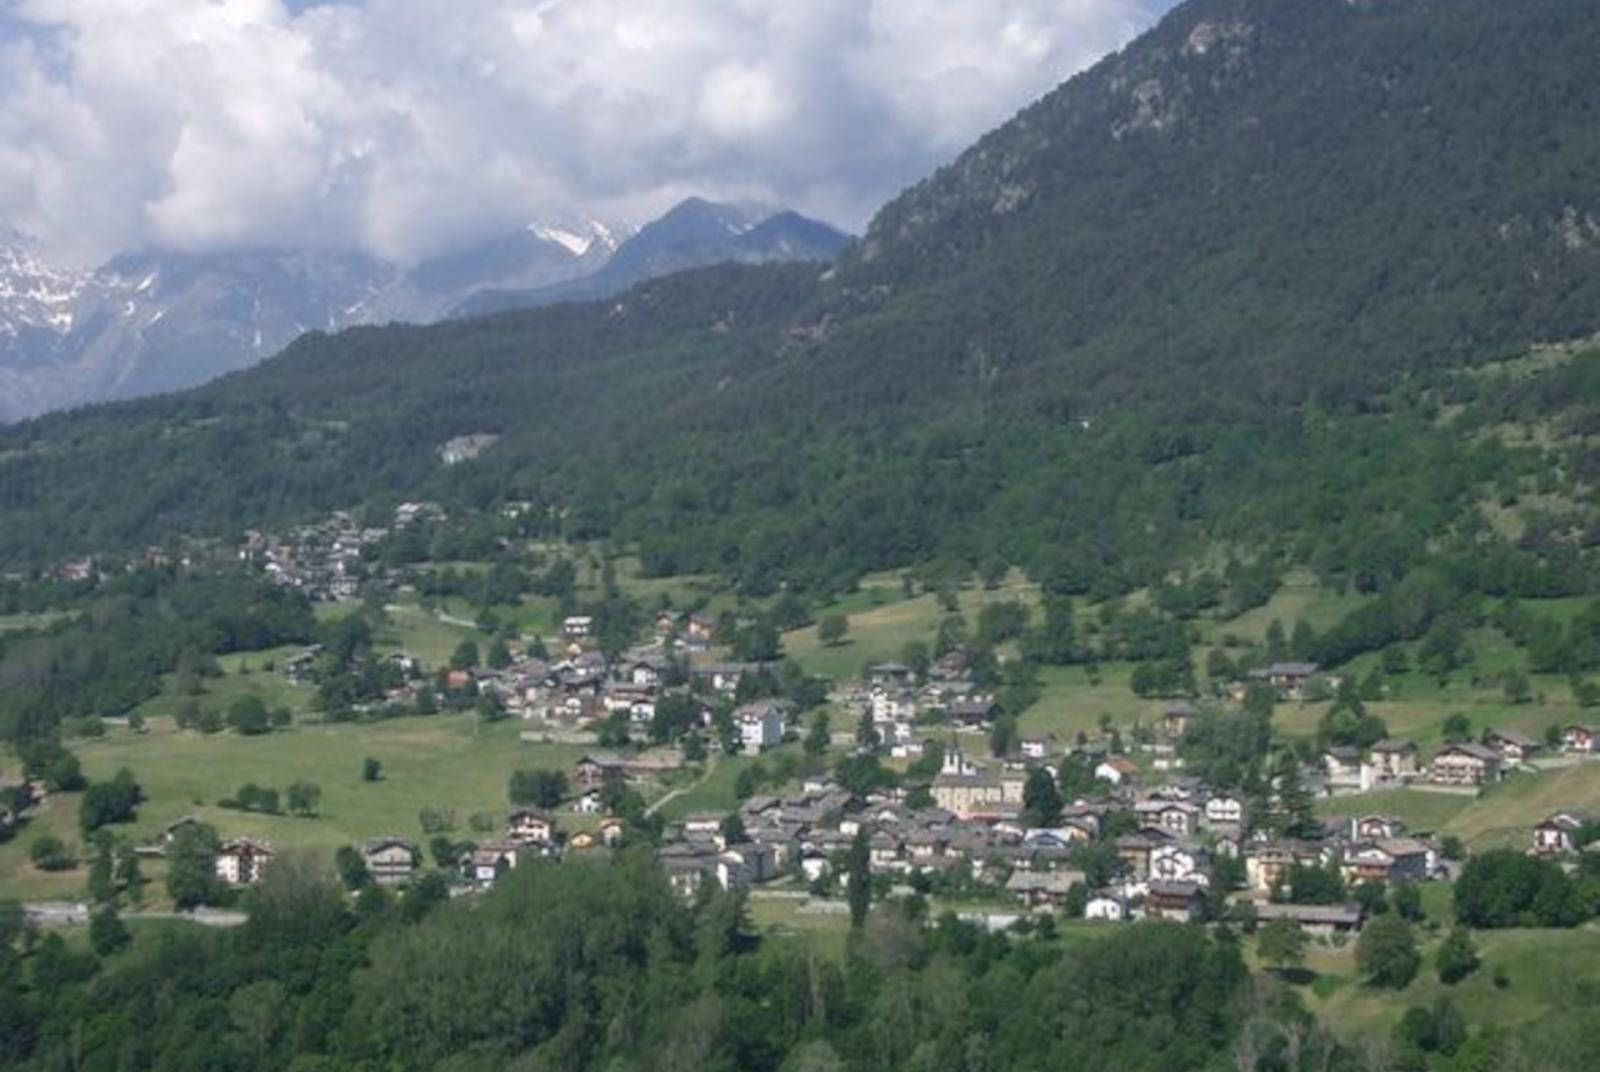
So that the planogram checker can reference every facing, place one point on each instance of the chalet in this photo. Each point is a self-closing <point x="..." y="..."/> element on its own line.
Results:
<point x="973" y="711"/>
<point x="530" y="826"/>
<point x="760" y="725"/>
<point x="1118" y="770"/>
<point x="1375" y="828"/>
<point x="1267" y="865"/>
<point x="1391" y="760"/>
<point x="1515" y="749"/>
<point x="1177" y="719"/>
<point x="1580" y="738"/>
<point x="702" y="823"/>
<point x="582" y="841"/>
<point x="1176" y="817"/>
<point x="688" y="870"/>
<point x="1107" y="907"/>
<point x="577" y="627"/>
<point x="1465" y="764"/>
<point x="1341" y="767"/>
<point x="1225" y="810"/>
<point x="722" y="678"/>
<point x="612" y="831"/>
<point x="1135" y="850"/>
<point x="1319" y="921"/>
<point x="1289" y="680"/>
<point x="698" y="629"/>
<point x="746" y="863"/>
<point x="1039" y="747"/>
<point x="649" y="672"/>
<point x="1558" y="834"/>
<point x="488" y="862"/>
<point x="588" y="803"/>
<point x="598" y="768"/>
<point x="240" y="861"/>
<point x="892" y="676"/>
<point x="1388" y="862"/>
<point x="1181" y="901"/>
<point x="1037" y="889"/>
<point x="390" y="860"/>
<point x="1179" y="861"/>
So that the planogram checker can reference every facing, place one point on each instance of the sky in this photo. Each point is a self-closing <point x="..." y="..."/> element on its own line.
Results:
<point x="409" y="128"/>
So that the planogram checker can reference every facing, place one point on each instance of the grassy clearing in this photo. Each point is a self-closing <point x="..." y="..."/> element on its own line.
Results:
<point x="1420" y="810"/>
<point x="445" y="762"/>
<point x="883" y="622"/>
<point x="423" y="636"/>
<point x="1071" y="702"/>
<point x="242" y="676"/>
<point x="1300" y="598"/>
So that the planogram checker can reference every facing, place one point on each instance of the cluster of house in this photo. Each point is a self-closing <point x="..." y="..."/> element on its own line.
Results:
<point x="394" y="861"/>
<point x="579" y="687"/>
<point x="323" y="560"/>
<point x="975" y="830"/>
<point x="1462" y="763"/>
<point x="891" y="696"/>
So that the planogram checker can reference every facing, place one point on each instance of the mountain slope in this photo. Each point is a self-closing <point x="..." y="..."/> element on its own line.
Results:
<point x="1294" y="197"/>
<point x="695" y="234"/>
<point x="1212" y="293"/>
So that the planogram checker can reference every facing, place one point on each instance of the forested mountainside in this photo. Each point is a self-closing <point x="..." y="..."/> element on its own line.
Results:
<point x="1217" y="291"/>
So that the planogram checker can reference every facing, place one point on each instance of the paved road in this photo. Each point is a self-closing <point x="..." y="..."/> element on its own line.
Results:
<point x="52" y="914"/>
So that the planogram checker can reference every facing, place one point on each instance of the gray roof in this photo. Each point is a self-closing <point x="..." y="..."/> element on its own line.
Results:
<point x="1346" y="915"/>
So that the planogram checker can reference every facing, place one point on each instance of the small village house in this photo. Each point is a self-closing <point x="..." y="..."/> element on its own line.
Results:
<point x="240" y="861"/>
<point x="1465" y="764"/>
<point x="1558" y="834"/>
<point x="390" y="861"/>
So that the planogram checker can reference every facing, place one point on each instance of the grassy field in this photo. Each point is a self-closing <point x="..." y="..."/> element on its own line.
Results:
<point x="444" y="762"/>
<point x="242" y="676"/>
<point x="1500" y="816"/>
<point x="1526" y="958"/>
<point x="1506" y="813"/>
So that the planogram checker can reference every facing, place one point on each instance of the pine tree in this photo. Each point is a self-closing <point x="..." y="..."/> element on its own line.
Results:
<point x="1296" y="815"/>
<point x="858" y="867"/>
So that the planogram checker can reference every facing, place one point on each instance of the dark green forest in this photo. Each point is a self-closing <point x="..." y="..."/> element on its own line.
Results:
<point x="578" y="967"/>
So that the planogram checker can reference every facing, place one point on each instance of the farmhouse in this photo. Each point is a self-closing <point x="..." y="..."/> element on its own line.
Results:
<point x="1319" y="921"/>
<point x="1043" y="888"/>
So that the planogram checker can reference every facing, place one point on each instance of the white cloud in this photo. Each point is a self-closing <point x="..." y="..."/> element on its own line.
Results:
<point x="407" y="126"/>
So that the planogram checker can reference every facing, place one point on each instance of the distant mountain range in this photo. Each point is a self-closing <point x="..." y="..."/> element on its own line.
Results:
<point x="695" y="234"/>
<point x="157" y="322"/>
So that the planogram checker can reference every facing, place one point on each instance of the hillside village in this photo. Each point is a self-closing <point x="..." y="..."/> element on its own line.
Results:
<point x="1101" y="827"/>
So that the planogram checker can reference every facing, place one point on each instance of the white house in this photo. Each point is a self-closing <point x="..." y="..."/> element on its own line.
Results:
<point x="760" y="724"/>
